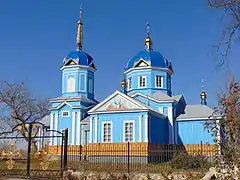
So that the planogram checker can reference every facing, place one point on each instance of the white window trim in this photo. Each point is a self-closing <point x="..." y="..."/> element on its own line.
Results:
<point x="124" y="123"/>
<point x="129" y="83"/>
<point x="107" y="122"/>
<point x="64" y="112"/>
<point x="74" y="78"/>
<point x="161" y="85"/>
<point x="139" y="81"/>
<point x="85" y="79"/>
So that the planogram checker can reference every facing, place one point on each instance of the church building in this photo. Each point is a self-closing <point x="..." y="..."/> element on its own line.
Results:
<point x="145" y="110"/>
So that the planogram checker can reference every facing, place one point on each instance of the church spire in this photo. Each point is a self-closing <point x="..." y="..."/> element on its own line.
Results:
<point x="148" y="39"/>
<point x="203" y="95"/>
<point x="80" y="31"/>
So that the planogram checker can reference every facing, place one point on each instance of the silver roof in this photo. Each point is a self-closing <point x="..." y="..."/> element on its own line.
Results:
<point x="196" y="111"/>
<point x="161" y="96"/>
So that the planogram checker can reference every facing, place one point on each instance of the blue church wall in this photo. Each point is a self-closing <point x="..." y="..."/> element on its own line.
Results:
<point x="150" y="81"/>
<point x="158" y="130"/>
<point x="67" y="122"/>
<point x="193" y="132"/>
<point x="117" y="121"/>
<point x="84" y="82"/>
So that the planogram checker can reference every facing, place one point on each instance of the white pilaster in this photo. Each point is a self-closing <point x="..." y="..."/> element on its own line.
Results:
<point x="95" y="130"/>
<point x="91" y="130"/>
<point x="146" y="128"/>
<point x="171" y="129"/>
<point x="56" y="128"/>
<point x="51" y="128"/>
<point x="73" y="127"/>
<point x="78" y="128"/>
<point x="39" y="140"/>
<point x="140" y="128"/>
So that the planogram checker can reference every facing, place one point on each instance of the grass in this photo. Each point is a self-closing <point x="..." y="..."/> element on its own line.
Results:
<point x="123" y="167"/>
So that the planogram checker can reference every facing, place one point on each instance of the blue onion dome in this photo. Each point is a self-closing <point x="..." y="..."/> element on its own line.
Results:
<point x="79" y="58"/>
<point x="148" y="57"/>
<point x="152" y="58"/>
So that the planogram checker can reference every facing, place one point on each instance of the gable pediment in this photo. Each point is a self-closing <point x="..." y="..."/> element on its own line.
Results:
<point x="141" y="63"/>
<point x="70" y="62"/>
<point x="118" y="102"/>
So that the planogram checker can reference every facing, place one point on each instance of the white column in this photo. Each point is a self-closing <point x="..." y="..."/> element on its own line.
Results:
<point x="171" y="129"/>
<point x="95" y="130"/>
<point x="39" y="139"/>
<point x="73" y="128"/>
<point x="140" y="128"/>
<point x="56" y="128"/>
<point x="91" y="130"/>
<point x="146" y="128"/>
<point x="78" y="128"/>
<point x="51" y="128"/>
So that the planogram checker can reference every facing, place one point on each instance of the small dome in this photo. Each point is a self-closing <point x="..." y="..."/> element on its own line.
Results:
<point x="203" y="95"/>
<point x="148" y="40"/>
<point x="153" y="58"/>
<point x="79" y="57"/>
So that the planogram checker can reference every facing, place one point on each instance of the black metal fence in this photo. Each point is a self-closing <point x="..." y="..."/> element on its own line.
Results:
<point x="24" y="151"/>
<point x="130" y="157"/>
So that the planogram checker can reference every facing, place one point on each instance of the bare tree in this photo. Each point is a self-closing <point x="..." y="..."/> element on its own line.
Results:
<point x="231" y="27"/>
<point x="227" y="131"/>
<point x="19" y="107"/>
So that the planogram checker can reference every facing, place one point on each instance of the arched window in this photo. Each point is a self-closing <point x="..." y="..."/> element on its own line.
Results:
<point x="71" y="84"/>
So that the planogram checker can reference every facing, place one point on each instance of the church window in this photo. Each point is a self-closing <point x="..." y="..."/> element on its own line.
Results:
<point x="128" y="131"/>
<point x="159" y="81"/>
<point x="107" y="132"/>
<point x="65" y="114"/>
<point x="130" y="83"/>
<point x="71" y="84"/>
<point x="90" y="85"/>
<point x="142" y="81"/>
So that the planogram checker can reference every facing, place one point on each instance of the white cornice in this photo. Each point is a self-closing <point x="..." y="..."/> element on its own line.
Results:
<point x="153" y="99"/>
<point x="56" y="100"/>
<point x="73" y="107"/>
<point x="199" y="118"/>
<point x="119" y="111"/>
<point x="149" y="67"/>
<point x="78" y="66"/>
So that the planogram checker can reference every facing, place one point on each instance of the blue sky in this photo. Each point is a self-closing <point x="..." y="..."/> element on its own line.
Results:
<point x="36" y="36"/>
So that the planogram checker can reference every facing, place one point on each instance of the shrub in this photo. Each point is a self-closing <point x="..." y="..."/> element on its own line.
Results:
<point x="186" y="161"/>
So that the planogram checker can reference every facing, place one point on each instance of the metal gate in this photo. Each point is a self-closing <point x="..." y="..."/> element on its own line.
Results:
<point x="27" y="151"/>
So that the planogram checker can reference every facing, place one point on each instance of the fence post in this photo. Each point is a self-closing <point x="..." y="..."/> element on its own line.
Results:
<point x="128" y="157"/>
<point x="202" y="163"/>
<point x="29" y="149"/>
<point x="65" y="149"/>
